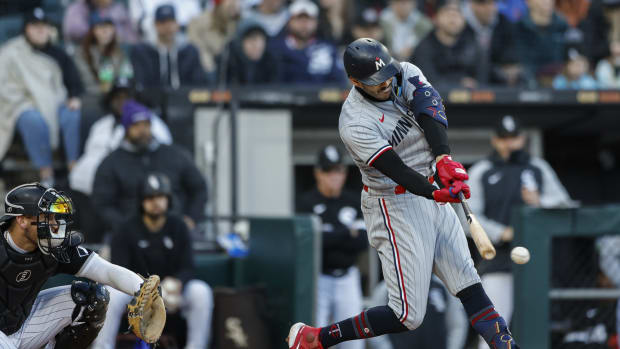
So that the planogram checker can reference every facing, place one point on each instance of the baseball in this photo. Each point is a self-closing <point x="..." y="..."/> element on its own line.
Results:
<point x="520" y="255"/>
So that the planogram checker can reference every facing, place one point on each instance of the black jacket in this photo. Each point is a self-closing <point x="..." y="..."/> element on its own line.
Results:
<point x="122" y="173"/>
<point x="501" y="50"/>
<point x="339" y="216"/>
<point x="145" y="59"/>
<point x="70" y="75"/>
<point x="240" y="70"/>
<point x="443" y="65"/>
<point x="167" y="252"/>
<point x="502" y="183"/>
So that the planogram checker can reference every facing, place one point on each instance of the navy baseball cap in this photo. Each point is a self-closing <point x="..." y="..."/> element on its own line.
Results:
<point x="508" y="126"/>
<point x="368" y="17"/>
<point x="97" y="19"/>
<point x="329" y="158"/>
<point x="164" y="13"/>
<point x="37" y="15"/>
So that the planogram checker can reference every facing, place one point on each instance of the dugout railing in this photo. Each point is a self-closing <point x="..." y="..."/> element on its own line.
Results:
<point x="563" y="278"/>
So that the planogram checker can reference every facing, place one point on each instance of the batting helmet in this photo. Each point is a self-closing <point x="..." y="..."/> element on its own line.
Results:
<point x="369" y="62"/>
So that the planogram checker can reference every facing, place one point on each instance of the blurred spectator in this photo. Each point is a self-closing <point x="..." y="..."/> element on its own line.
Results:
<point x="106" y="134"/>
<point x="576" y="73"/>
<point x="608" y="248"/>
<point x="335" y="21"/>
<point x="120" y="175"/>
<point x="248" y="62"/>
<point x="101" y="59"/>
<point x="142" y="14"/>
<point x="574" y="11"/>
<point x="302" y="57"/>
<point x="611" y="12"/>
<point x="512" y="9"/>
<point x="596" y="29"/>
<point x="608" y="70"/>
<point x="495" y="36"/>
<point x="271" y="14"/>
<point x="507" y="179"/>
<point x="213" y="30"/>
<point x="448" y="55"/>
<point x="76" y="22"/>
<point x="541" y="40"/>
<point x="367" y="25"/>
<point x="155" y="241"/>
<point x="39" y="95"/>
<point x="171" y="62"/>
<point x="343" y="237"/>
<point x="404" y="27"/>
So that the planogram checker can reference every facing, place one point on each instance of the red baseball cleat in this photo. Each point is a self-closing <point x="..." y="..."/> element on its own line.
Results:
<point x="301" y="336"/>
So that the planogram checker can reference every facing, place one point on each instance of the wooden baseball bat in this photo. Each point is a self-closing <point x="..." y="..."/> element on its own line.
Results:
<point x="481" y="239"/>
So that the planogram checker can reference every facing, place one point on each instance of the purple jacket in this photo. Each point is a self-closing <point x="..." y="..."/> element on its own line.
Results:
<point x="76" y="22"/>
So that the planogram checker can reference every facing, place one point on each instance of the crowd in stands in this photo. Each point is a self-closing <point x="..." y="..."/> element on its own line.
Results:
<point x="467" y="43"/>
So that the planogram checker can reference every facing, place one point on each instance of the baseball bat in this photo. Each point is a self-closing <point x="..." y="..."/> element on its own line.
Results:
<point x="481" y="239"/>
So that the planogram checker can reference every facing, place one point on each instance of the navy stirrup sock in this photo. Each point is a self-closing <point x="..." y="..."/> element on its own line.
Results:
<point x="481" y="312"/>
<point x="369" y="323"/>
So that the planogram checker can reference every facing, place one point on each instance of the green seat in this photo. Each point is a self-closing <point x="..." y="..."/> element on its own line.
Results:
<point x="10" y="26"/>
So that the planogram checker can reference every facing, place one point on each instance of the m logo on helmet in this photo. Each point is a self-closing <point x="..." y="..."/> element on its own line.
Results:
<point x="23" y="276"/>
<point x="379" y="63"/>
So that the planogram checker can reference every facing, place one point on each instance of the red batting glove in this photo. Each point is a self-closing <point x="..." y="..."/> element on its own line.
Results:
<point x="450" y="171"/>
<point x="451" y="194"/>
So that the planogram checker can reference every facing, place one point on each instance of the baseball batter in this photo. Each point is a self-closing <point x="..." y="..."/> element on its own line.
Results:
<point x="36" y="243"/>
<point x="393" y="124"/>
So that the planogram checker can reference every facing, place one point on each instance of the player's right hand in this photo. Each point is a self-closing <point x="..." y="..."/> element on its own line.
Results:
<point x="451" y="193"/>
<point x="450" y="171"/>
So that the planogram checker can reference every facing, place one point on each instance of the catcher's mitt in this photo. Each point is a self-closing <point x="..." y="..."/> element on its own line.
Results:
<point x="146" y="312"/>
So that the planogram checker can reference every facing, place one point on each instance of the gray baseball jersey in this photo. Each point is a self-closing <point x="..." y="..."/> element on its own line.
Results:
<point x="414" y="236"/>
<point x="369" y="128"/>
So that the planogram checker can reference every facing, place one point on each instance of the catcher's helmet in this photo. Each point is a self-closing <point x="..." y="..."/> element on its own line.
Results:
<point x="53" y="211"/>
<point x="368" y="61"/>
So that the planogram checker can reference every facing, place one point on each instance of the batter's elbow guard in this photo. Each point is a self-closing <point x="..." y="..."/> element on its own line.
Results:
<point x="91" y="304"/>
<point x="426" y="100"/>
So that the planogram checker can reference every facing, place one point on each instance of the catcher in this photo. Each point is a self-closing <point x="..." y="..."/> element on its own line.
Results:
<point x="36" y="243"/>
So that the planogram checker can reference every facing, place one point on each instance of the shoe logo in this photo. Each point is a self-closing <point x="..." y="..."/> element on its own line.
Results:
<point x="382" y="117"/>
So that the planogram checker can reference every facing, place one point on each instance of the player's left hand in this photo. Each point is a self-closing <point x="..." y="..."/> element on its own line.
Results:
<point x="451" y="193"/>
<point x="449" y="171"/>
<point x="146" y="313"/>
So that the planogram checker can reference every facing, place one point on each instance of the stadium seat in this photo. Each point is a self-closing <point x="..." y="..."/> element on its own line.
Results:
<point x="10" y="26"/>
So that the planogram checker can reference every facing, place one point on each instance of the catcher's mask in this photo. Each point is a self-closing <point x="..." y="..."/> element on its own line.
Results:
<point x="53" y="211"/>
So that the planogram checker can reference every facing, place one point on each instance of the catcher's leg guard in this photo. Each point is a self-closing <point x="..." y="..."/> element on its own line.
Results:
<point x="91" y="303"/>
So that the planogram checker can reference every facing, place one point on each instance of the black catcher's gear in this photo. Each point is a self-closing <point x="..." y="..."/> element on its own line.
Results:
<point x="54" y="215"/>
<point x="91" y="303"/>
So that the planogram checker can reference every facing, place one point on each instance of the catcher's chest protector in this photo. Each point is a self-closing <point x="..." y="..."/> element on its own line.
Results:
<point x="21" y="279"/>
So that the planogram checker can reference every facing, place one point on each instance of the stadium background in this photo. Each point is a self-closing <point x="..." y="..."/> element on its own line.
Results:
<point x="256" y="146"/>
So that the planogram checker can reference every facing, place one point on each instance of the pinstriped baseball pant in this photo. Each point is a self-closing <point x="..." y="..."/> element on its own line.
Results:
<point x="51" y="312"/>
<point x="415" y="237"/>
